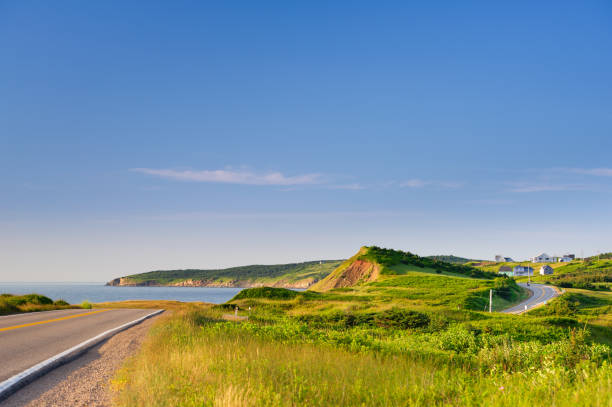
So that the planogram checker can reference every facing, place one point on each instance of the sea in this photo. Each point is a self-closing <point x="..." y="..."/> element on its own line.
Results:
<point x="76" y="293"/>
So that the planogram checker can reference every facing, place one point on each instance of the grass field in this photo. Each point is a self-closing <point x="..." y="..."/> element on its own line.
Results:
<point x="410" y="337"/>
<point x="195" y="358"/>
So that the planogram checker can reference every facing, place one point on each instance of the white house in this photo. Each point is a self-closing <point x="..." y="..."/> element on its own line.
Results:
<point x="567" y="258"/>
<point x="500" y="259"/>
<point x="542" y="258"/>
<point x="546" y="269"/>
<point x="508" y="259"/>
<point x="522" y="271"/>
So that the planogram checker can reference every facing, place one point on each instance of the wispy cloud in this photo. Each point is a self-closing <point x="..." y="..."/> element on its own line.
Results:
<point x="233" y="177"/>
<point x="203" y="216"/>
<point x="601" y="172"/>
<point x="414" y="183"/>
<point x="526" y="188"/>
<point x="419" y="183"/>
<point x="352" y="187"/>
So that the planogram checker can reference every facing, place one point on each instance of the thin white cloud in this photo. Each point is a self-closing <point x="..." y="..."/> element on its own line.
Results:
<point x="526" y="188"/>
<point x="419" y="183"/>
<point x="601" y="172"/>
<point x="233" y="177"/>
<point x="352" y="187"/>
<point x="414" y="183"/>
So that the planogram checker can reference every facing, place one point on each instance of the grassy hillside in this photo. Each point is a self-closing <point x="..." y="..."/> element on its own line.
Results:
<point x="13" y="304"/>
<point x="594" y="273"/>
<point x="411" y="336"/>
<point x="291" y="275"/>
<point x="451" y="259"/>
<point x="371" y="263"/>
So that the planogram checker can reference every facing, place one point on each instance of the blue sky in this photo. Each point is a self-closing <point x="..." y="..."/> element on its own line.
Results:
<point x="156" y="135"/>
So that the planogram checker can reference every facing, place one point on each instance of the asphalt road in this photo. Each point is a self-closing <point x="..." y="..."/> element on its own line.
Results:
<point x="541" y="294"/>
<point x="28" y="339"/>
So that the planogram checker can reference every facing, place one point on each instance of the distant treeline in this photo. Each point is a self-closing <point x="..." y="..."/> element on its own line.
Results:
<point x="451" y="259"/>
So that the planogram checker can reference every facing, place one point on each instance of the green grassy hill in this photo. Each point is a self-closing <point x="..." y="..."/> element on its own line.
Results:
<point x="594" y="273"/>
<point x="383" y="276"/>
<point x="385" y="328"/>
<point x="370" y="263"/>
<point x="293" y="275"/>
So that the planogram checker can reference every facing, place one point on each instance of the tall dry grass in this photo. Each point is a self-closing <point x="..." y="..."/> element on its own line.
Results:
<point x="193" y="361"/>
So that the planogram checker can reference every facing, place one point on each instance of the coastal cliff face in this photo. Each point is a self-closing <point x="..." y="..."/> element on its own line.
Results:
<point x="126" y="282"/>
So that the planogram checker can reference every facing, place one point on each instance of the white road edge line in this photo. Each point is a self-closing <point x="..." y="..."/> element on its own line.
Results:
<point x="11" y="385"/>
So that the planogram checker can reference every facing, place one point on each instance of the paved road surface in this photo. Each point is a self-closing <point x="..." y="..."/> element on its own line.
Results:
<point x="28" y="339"/>
<point x="541" y="294"/>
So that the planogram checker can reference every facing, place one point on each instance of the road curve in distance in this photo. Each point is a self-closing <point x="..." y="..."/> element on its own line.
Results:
<point x="542" y="293"/>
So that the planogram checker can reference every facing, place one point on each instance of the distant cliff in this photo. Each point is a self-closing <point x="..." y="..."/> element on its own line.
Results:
<point x="293" y="275"/>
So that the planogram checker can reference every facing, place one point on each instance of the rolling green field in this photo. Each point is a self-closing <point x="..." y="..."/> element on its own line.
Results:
<point x="410" y="337"/>
<point x="294" y="274"/>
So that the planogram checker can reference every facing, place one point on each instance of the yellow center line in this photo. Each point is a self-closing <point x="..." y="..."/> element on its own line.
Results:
<point x="8" y="328"/>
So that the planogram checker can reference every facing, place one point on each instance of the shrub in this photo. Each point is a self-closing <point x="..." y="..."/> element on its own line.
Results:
<point x="86" y="305"/>
<point x="401" y="318"/>
<point x="266" y="292"/>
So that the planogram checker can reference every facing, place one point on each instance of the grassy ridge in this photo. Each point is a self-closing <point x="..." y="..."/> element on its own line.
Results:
<point x="450" y="259"/>
<point x="13" y="304"/>
<point x="416" y="335"/>
<point x="389" y="259"/>
<point x="265" y="274"/>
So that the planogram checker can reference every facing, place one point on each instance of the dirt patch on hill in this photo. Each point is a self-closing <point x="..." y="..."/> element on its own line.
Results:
<point x="359" y="271"/>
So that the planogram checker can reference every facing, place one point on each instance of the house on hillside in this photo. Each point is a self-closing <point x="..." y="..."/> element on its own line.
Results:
<point x="522" y="271"/>
<point x="507" y="270"/>
<point x="546" y="269"/>
<point x="543" y="258"/>
<point x="500" y="259"/>
<point x="567" y="258"/>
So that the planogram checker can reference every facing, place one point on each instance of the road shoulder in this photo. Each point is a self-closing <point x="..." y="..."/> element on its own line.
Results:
<point x="85" y="380"/>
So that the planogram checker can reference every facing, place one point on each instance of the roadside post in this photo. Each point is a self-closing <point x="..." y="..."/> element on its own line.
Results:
<point x="491" y="300"/>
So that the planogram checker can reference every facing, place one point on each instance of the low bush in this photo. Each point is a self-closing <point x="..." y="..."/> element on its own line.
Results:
<point x="266" y="292"/>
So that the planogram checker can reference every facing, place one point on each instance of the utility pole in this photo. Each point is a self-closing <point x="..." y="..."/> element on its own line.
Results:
<point x="528" y="275"/>
<point x="490" y="300"/>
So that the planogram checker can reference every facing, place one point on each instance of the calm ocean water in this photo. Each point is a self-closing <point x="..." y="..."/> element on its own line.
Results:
<point x="75" y="293"/>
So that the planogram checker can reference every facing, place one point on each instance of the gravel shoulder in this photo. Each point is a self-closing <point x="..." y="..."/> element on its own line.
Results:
<point x="85" y="380"/>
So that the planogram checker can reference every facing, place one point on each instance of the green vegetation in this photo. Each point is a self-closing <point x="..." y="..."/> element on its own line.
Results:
<point x="400" y="334"/>
<point x="12" y="304"/>
<point x="592" y="274"/>
<point x="291" y="275"/>
<point x="389" y="259"/>
<point x="451" y="259"/>
<point x="398" y="357"/>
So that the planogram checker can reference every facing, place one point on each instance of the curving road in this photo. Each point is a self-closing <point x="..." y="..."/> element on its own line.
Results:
<point x="28" y="339"/>
<point x="541" y="294"/>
